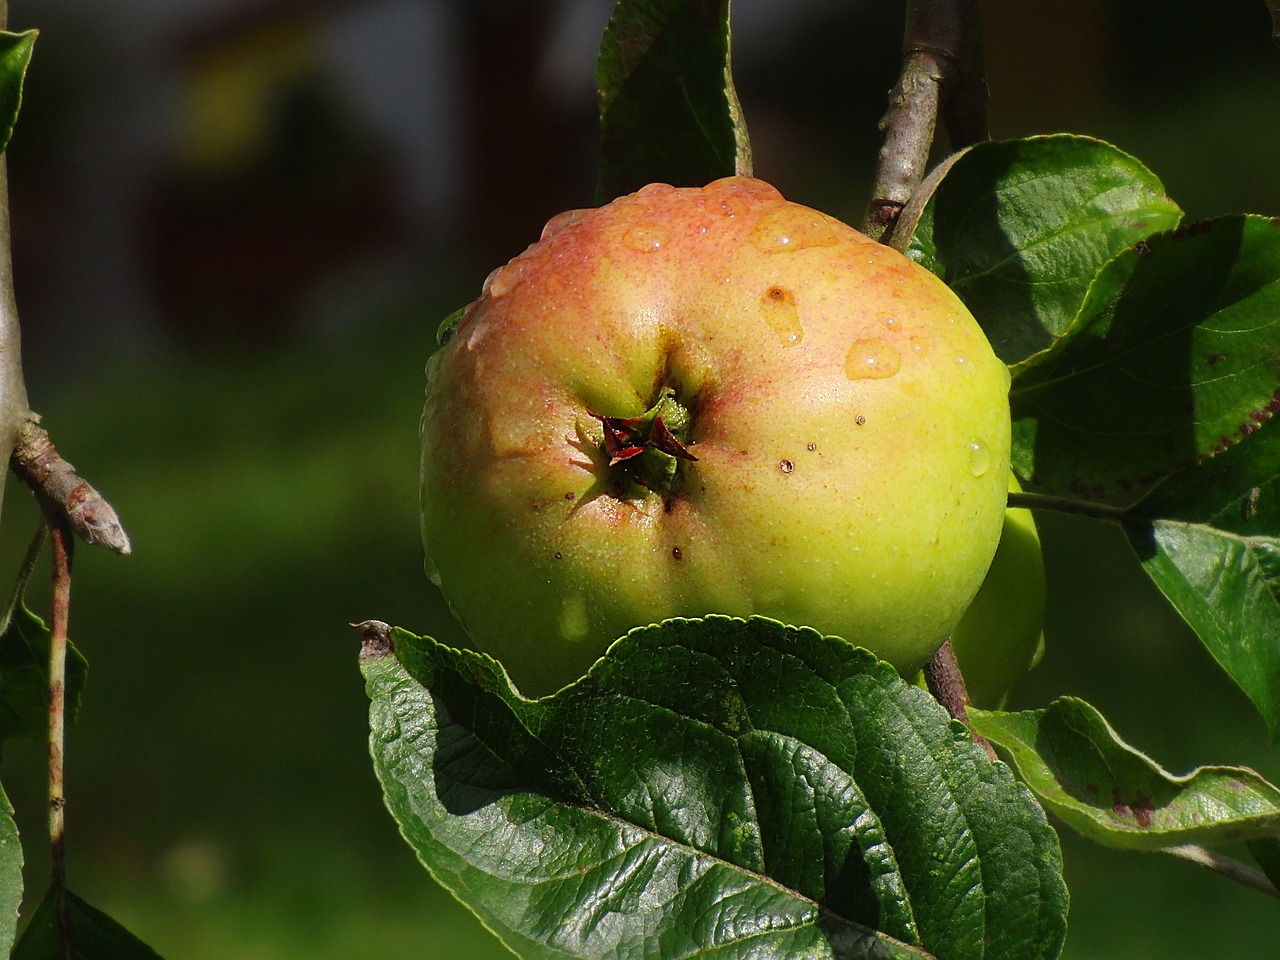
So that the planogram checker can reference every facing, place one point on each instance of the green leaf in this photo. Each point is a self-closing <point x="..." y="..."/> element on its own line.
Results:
<point x="1106" y="790"/>
<point x="668" y="108"/>
<point x="15" y="55"/>
<point x="716" y="787"/>
<point x="10" y="875"/>
<point x="24" y="677"/>
<point x="1173" y="358"/>
<point x="94" y="935"/>
<point x="1209" y="538"/>
<point x="1019" y="228"/>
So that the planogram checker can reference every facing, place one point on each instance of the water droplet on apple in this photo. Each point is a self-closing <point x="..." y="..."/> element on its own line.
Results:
<point x="979" y="457"/>
<point x="778" y="305"/>
<point x="561" y="222"/>
<point x="573" y="617"/>
<point x="655" y="190"/>
<point x="872" y="359"/>
<point x="499" y="283"/>
<point x="786" y="229"/>
<point x="646" y="239"/>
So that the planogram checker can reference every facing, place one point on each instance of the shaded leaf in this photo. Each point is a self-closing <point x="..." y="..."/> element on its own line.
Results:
<point x="24" y="677"/>
<point x="719" y="787"/>
<point x="1209" y="537"/>
<point x="15" y="55"/>
<point x="1106" y="790"/>
<point x="1174" y="357"/>
<point x="668" y="109"/>
<point x="1019" y="228"/>
<point x="94" y="935"/>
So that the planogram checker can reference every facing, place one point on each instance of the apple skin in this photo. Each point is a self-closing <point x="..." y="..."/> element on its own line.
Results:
<point x="849" y="420"/>
<point x="1000" y="637"/>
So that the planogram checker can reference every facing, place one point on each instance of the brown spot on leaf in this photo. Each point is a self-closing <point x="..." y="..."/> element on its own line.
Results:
<point x="1143" y="810"/>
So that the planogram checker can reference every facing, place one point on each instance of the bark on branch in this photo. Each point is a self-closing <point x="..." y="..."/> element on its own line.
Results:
<point x="942" y="75"/>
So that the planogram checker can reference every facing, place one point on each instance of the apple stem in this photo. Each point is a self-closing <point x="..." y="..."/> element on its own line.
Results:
<point x="946" y="683"/>
<point x="941" y="70"/>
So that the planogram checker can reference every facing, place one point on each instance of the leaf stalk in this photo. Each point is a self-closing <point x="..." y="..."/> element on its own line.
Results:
<point x="1233" y="870"/>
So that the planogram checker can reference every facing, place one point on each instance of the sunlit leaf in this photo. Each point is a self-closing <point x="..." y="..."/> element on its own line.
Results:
<point x="669" y="112"/>
<point x="1019" y="228"/>
<point x="723" y="788"/>
<point x="15" y="55"/>
<point x="1106" y="790"/>
<point x="1209" y="537"/>
<point x="10" y="875"/>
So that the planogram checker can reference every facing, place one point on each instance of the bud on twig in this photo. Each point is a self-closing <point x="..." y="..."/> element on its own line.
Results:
<point x="63" y="492"/>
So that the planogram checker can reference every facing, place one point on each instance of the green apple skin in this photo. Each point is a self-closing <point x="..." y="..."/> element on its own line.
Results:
<point x="849" y="420"/>
<point x="1000" y="637"/>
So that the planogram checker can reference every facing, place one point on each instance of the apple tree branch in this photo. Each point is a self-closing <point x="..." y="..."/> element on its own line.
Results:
<point x="942" y="76"/>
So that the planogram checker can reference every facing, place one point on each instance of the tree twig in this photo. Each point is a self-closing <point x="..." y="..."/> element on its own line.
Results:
<point x="63" y="549"/>
<point x="61" y="490"/>
<point x="941" y="74"/>
<point x="946" y="683"/>
<point x="1234" y="870"/>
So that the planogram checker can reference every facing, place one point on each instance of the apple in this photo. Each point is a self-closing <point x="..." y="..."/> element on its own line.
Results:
<point x="710" y="400"/>
<point x="1000" y="637"/>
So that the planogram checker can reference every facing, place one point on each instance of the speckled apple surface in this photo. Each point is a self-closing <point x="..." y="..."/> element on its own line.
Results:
<point x="849" y="420"/>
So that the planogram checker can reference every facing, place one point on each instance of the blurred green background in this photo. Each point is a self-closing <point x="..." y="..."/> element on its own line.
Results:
<point x="236" y="227"/>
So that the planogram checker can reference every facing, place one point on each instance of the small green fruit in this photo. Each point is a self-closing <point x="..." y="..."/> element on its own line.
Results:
<point x="1000" y="636"/>
<point x="710" y="400"/>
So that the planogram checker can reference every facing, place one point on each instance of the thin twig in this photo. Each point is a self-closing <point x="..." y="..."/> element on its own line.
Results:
<point x="64" y="492"/>
<point x="63" y="549"/>
<point x="1234" y="870"/>
<point x="946" y="683"/>
<point x="941" y="74"/>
